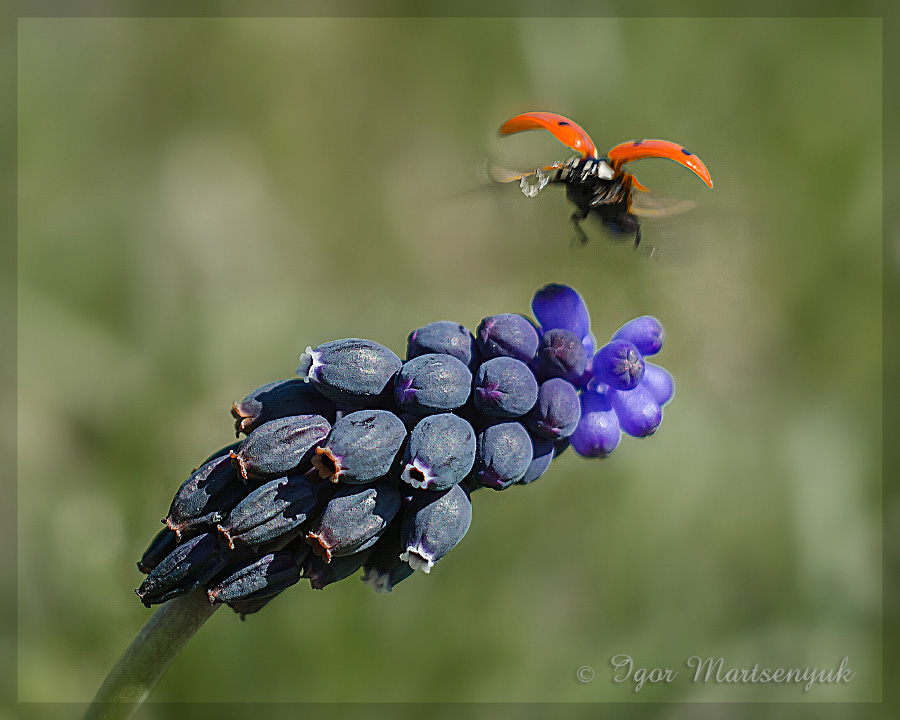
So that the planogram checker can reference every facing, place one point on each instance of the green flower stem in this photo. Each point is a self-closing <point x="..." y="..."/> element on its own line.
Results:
<point x="146" y="660"/>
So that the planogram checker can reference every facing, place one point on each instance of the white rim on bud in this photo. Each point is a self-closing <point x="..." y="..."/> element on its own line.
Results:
<point x="418" y="557"/>
<point x="427" y="475"/>
<point x="309" y="361"/>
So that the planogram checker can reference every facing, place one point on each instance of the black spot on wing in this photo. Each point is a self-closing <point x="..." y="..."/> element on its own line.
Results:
<point x="563" y="122"/>
<point x="636" y="143"/>
<point x="686" y="152"/>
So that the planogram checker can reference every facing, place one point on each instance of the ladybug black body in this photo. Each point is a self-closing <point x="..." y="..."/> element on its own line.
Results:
<point x="593" y="188"/>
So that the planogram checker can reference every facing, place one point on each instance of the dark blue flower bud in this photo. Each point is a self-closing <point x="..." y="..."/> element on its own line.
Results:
<point x="561" y="307"/>
<point x="618" y="364"/>
<point x="280" y="446"/>
<point x="352" y="372"/>
<point x="560" y="354"/>
<point x="261" y="577"/>
<point x="280" y="399"/>
<point x="298" y="546"/>
<point x="186" y="568"/>
<point x="470" y="485"/>
<point x="659" y="382"/>
<point x="206" y="497"/>
<point x="440" y="452"/>
<point x="598" y="432"/>
<point x="384" y="569"/>
<point x="164" y="543"/>
<point x="504" y="388"/>
<point x="433" y="524"/>
<point x="557" y="411"/>
<point x="321" y="574"/>
<point x="542" y="455"/>
<point x="503" y="453"/>
<point x="224" y="451"/>
<point x="507" y="335"/>
<point x="361" y="447"/>
<point x="432" y="383"/>
<point x="354" y="519"/>
<point x="645" y="332"/>
<point x="247" y="607"/>
<point x="273" y="510"/>
<point x="638" y="412"/>
<point x="409" y="420"/>
<point x="445" y="337"/>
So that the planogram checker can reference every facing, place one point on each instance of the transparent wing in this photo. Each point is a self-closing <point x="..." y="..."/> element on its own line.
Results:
<point x="653" y="205"/>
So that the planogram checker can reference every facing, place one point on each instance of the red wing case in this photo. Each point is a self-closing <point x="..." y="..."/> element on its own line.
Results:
<point x="566" y="131"/>
<point x="640" y="149"/>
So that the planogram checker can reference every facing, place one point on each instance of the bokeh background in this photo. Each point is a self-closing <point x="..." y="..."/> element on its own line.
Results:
<point x="200" y="199"/>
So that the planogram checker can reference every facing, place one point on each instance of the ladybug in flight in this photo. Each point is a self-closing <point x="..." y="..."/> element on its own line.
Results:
<point x="595" y="184"/>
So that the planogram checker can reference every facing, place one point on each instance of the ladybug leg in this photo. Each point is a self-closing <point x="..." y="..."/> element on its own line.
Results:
<point x="624" y="224"/>
<point x="580" y="234"/>
<point x="631" y="223"/>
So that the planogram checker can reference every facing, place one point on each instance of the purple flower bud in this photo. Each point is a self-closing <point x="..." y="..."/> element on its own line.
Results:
<point x="560" y="354"/>
<point x="503" y="453"/>
<point x="659" y="382"/>
<point x="618" y="364"/>
<point x="261" y="577"/>
<point x="561" y="307"/>
<point x="206" y="497"/>
<point x="186" y="568"/>
<point x="298" y="546"/>
<point x="445" y="337"/>
<point x="352" y="372"/>
<point x="224" y="451"/>
<point x="361" y="447"/>
<point x="280" y="446"/>
<point x="409" y="420"/>
<point x="432" y="383"/>
<point x="504" y="388"/>
<point x="433" y="524"/>
<point x="598" y="433"/>
<point x="321" y="574"/>
<point x="645" y="332"/>
<point x="440" y="452"/>
<point x="507" y="335"/>
<point x="164" y="543"/>
<point x="384" y="569"/>
<point x="354" y="519"/>
<point x="247" y="607"/>
<point x="542" y="456"/>
<point x="280" y="399"/>
<point x="639" y="413"/>
<point x="275" y="509"/>
<point x="557" y="410"/>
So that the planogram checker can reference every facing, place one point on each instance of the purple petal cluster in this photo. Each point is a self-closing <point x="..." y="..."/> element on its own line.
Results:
<point x="368" y="462"/>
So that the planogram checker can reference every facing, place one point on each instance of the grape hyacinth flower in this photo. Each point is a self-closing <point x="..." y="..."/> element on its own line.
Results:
<point x="366" y="464"/>
<point x="367" y="461"/>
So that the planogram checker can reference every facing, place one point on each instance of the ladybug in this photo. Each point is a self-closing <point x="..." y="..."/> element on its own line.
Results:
<point x="595" y="184"/>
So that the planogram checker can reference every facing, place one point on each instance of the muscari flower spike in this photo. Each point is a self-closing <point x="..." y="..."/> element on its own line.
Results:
<point x="368" y="462"/>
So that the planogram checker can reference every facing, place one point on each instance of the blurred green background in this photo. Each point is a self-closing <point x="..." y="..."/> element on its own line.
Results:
<point x="199" y="200"/>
